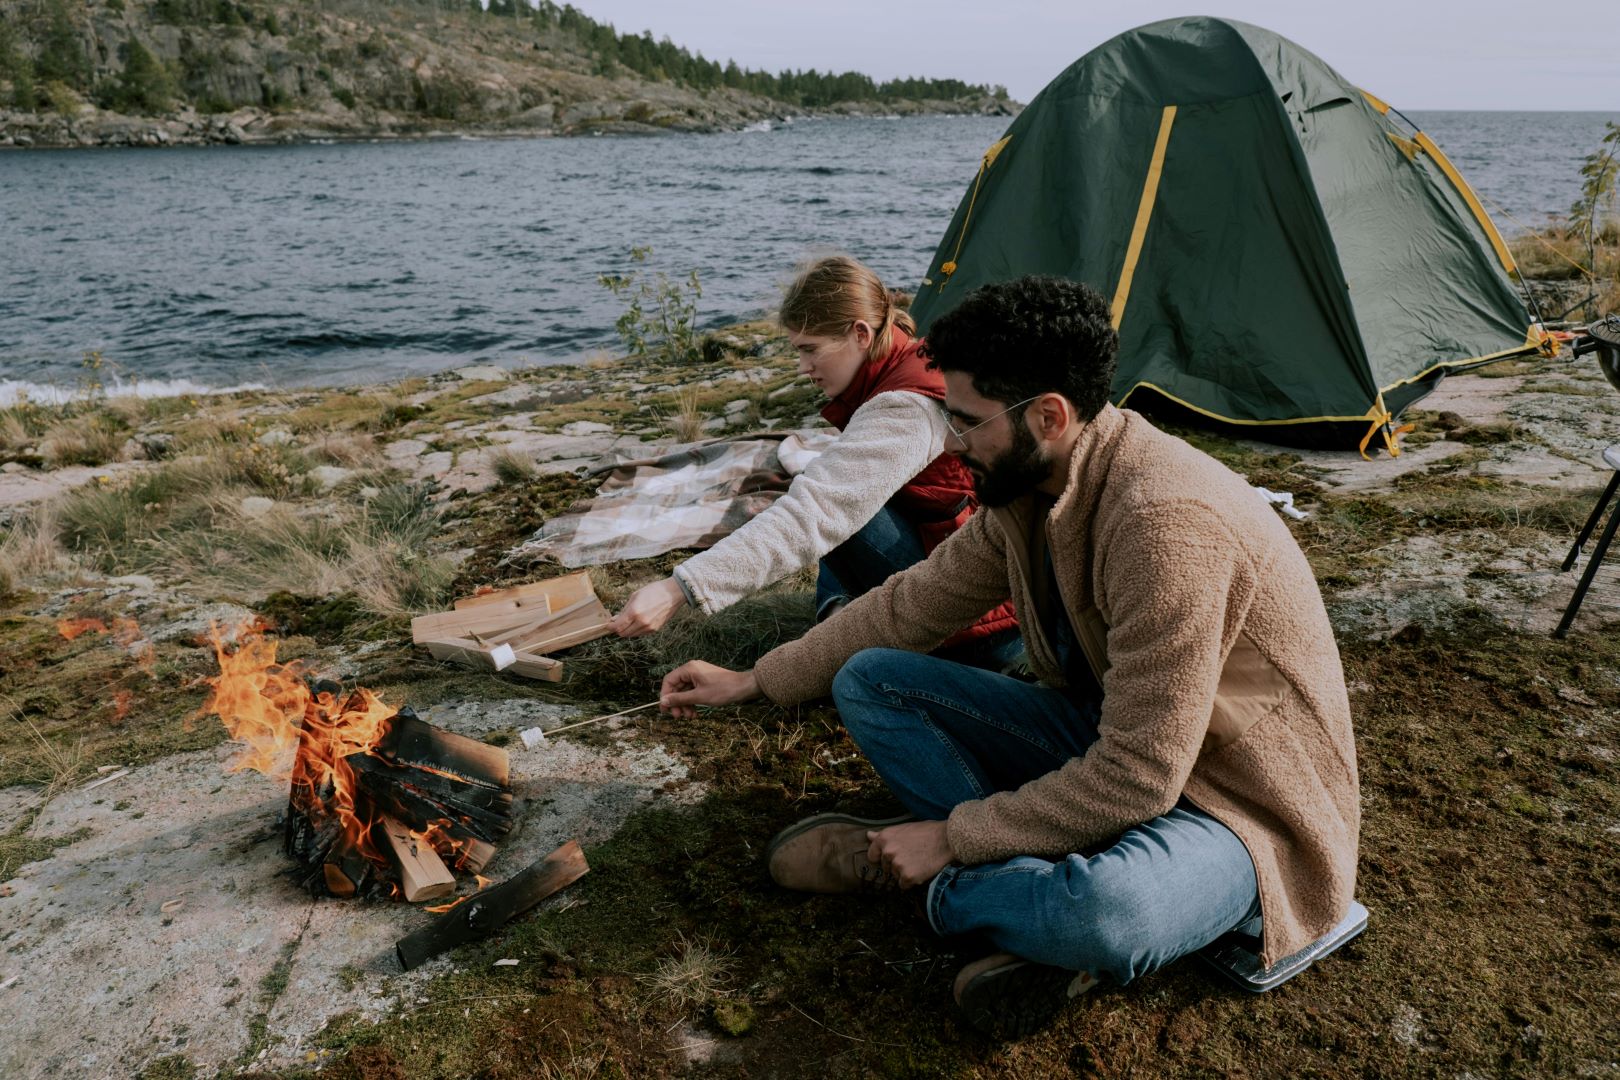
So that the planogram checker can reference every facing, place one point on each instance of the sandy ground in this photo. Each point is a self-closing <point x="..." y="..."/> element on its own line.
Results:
<point x="153" y="932"/>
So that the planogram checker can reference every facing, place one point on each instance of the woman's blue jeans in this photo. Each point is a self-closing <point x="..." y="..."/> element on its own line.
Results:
<point x="884" y="546"/>
<point x="940" y="733"/>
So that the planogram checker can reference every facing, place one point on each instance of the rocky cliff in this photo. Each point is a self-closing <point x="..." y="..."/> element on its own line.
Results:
<point x="152" y="72"/>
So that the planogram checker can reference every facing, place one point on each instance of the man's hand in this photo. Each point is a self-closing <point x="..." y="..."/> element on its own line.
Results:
<point x="913" y="852"/>
<point x="697" y="683"/>
<point x="649" y="608"/>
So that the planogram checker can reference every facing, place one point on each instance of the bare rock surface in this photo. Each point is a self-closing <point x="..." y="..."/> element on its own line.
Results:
<point x="1554" y="424"/>
<point x="167" y="924"/>
<point x="23" y="486"/>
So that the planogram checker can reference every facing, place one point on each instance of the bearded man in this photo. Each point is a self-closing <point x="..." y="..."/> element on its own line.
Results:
<point x="1185" y="766"/>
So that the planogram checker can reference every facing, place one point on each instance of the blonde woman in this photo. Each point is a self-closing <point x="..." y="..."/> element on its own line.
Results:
<point x="876" y="501"/>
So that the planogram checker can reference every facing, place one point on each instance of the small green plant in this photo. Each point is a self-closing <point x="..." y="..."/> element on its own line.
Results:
<point x="660" y="321"/>
<point x="1591" y="212"/>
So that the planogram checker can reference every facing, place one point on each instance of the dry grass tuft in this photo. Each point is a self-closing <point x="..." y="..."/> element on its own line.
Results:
<point x="81" y="442"/>
<point x="130" y="409"/>
<point x="686" y="422"/>
<point x="695" y="974"/>
<point x="31" y="551"/>
<point x="512" y="466"/>
<point x="352" y="450"/>
<point x="55" y="768"/>
<point x="15" y="433"/>
<point x="375" y="552"/>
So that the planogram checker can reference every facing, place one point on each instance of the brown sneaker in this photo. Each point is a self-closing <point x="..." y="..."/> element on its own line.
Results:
<point x="826" y="853"/>
<point x="1008" y="997"/>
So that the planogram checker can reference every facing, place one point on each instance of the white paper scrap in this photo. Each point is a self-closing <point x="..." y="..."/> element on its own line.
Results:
<point x="502" y="657"/>
<point x="1282" y="500"/>
<point x="532" y="737"/>
<point x="506" y="963"/>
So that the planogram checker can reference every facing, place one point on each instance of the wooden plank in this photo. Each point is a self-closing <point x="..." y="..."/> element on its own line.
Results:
<point x="531" y="666"/>
<point x="559" y="592"/>
<point x="422" y="874"/>
<point x="471" y="653"/>
<point x="536" y="594"/>
<point x="455" y="624"/>
<point x="475" y="854"/>
<point x="584" y="622"/>
<point x="493" y="908"/>
<point x="505" y="610"/>
<point x="564" y="619"/>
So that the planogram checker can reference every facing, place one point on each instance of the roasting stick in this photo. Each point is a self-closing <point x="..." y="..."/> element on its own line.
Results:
<point x="534" y="736"/>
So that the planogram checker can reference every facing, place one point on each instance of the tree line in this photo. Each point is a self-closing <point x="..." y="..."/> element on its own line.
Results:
<point x="41" y="77"/>
<point x="663" y="60"/>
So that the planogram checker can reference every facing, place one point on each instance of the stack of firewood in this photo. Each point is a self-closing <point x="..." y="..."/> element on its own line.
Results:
<point x="514" y="629"/>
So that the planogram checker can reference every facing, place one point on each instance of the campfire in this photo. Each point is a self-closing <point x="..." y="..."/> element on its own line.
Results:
<point x="380" y="802"/>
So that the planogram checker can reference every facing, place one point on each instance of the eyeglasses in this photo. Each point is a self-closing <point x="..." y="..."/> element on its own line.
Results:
<point x="961" y="436"/>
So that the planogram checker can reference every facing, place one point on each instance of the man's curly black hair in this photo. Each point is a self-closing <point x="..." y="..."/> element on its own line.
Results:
<point x="1034" y="335"/>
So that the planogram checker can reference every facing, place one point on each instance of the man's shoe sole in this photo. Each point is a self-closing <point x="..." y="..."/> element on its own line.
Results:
<point x="1019" y="998"/>
<point x="799" y="828"/>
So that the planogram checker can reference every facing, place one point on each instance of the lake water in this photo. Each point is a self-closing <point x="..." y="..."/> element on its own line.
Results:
<point x="304" y="265"/>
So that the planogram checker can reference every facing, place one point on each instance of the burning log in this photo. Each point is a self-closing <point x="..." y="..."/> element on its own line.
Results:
<point x="346" y="869"/>
<point x="424" y="775"/>
<point x="422" y="874"/>
<point x="352" y="762"/>
<point x="493" y="908"/>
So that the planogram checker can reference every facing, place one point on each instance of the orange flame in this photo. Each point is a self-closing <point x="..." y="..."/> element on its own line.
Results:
<point x="455" y="850"/>
<point x="73" y="628"/>
<point x="440" y="909"/>
<point x="292" y="734"/>
<point x="121" y="702"/>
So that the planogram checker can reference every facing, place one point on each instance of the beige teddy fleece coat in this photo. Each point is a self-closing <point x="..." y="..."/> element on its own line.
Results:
<point x="1221" y="678"/>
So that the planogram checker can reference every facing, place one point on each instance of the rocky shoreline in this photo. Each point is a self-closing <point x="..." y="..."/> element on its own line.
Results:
<point x="93" y="127"/>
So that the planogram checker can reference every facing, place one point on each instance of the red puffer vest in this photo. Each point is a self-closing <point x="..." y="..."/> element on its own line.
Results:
<point x="940" y="499"/>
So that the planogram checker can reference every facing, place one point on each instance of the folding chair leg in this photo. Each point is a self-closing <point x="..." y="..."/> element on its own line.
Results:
<point x="1589" y="573"/>
<point x="1591" y="523"/>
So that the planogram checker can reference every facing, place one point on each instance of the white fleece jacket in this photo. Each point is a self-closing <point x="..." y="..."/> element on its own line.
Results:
<point x="888" y="440"/>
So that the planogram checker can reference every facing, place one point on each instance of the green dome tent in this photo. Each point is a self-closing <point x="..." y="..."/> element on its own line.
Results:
<point x="1285" y="260"/>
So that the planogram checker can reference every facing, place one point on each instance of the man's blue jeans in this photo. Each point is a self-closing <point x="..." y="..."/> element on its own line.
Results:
<point x="884" y="546"/>
<point x="939" y="733"/>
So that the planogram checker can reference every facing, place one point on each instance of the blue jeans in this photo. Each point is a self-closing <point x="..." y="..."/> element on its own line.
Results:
<point x="939" y="733"/>
<point x="882" y="547"/>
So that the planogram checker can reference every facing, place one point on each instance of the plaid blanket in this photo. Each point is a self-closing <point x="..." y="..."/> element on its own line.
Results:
<point x="689" y="497"/>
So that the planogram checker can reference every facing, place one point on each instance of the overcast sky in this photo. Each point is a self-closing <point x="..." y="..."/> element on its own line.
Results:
<point x="1415" y="54"/>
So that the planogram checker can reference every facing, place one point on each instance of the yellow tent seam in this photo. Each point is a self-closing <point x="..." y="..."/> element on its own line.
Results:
<point x="948" y="267"/>
<point x="1376" y="102"/>
<point x="1144" y="212"/>
<point x="1370" y="414"/>
<point x="1471" y="199"/>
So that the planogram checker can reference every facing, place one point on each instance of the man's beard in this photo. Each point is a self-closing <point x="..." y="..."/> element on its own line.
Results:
<point x="1012" y="474"/>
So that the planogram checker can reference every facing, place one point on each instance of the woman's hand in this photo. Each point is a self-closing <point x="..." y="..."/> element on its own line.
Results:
<point x="913" y="852"/>
<point x="649" y="608"/>
<point x="697" y="683"/>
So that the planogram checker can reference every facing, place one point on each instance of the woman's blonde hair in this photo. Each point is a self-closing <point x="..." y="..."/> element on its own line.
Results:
<point x="828" y="296"/>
